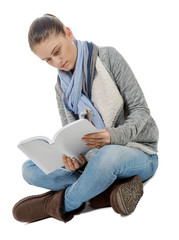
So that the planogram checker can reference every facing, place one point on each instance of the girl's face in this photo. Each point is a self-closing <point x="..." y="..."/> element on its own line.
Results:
<point x="58" y="51"/>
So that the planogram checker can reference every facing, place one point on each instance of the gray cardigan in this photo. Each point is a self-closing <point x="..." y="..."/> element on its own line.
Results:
<point x="132" y="125"/>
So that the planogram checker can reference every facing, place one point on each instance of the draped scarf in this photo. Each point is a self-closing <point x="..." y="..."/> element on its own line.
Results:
<point x="77" y="86"/>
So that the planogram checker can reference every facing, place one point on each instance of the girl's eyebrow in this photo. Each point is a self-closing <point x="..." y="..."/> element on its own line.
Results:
<point x="54" y="48"/>
<point x="52" y="51"/>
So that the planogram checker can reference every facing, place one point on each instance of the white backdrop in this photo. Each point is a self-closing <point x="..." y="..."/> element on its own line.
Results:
<point x="146" y="34"/>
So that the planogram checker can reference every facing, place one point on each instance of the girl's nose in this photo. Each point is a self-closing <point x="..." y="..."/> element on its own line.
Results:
<point x="57" y="62"/>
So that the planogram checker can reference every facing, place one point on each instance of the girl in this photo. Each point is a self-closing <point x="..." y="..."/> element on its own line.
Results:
<point x="94" y="83"/>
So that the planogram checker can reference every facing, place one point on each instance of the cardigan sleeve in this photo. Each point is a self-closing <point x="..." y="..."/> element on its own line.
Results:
<point x="61" y="107"/>
<point x="136" y="110"/>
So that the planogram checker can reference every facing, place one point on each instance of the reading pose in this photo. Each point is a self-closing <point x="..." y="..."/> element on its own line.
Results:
<point x="95" y="83"/>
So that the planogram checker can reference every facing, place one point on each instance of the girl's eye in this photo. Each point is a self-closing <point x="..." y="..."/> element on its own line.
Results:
<point x="48" y="60"/>
<point x="57" y="52"/>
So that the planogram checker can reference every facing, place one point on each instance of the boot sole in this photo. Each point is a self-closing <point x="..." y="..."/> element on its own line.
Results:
<point x="126" y="196"/>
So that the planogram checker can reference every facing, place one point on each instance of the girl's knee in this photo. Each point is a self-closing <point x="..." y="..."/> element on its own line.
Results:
<point x="112" y="158"/>
<point x="103" y="161"/>
<point x="27" y="171"/>
<point x="27" y="164"/>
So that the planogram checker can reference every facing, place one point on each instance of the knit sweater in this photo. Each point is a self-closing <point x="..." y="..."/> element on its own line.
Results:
<point x="119" y="99"/>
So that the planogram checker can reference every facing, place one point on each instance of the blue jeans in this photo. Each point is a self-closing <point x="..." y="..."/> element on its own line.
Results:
<point x="110" y="163"/>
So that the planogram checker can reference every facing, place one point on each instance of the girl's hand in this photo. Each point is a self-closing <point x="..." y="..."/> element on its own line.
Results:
<point x="97" y="140"/>
<point x="71" y="164"/>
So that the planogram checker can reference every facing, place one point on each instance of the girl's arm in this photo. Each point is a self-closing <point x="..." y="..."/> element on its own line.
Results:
<point x="61" y="107"/>
<point x="136" y="109"/>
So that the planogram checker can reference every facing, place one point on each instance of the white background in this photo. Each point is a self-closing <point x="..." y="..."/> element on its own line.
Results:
<point x="146" y="34"/>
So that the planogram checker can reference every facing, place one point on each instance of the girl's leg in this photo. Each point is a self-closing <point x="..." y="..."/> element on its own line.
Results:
<point x="55" y="181"/>
<point x="110" y="163"/>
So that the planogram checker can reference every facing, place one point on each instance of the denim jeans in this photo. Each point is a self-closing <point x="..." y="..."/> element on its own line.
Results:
<point x="110" y="163"/>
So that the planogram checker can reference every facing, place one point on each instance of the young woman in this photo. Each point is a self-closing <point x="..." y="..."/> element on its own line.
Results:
<point x="94" y="83"/>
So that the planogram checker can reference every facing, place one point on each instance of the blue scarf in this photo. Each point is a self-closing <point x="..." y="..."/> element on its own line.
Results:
<point x="72" y="84"/>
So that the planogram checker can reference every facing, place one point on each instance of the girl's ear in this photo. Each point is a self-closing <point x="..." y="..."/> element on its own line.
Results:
<point x="69" y="32"/>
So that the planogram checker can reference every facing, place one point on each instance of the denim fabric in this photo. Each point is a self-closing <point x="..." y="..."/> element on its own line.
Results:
<point x="111" y="162"/>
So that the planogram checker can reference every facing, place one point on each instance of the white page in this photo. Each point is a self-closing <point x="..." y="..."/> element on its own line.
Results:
<point x="44" y="155"/>
<point x="70" y="138"/>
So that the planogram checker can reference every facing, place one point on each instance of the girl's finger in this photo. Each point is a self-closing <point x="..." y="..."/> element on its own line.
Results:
<point x="83" y="160"/>
<point x="95" y="145"/>
<point x="75" y="163"/>
<point x="64" y="158"/>
<point x="70" y="164"/>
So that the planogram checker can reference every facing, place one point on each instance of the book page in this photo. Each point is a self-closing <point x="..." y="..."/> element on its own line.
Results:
<point x="65" y="127"/>
<point x="70" y="138"/>
<point x="43" y="154"/>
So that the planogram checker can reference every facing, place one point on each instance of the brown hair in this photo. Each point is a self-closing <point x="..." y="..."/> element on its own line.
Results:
<point x="42" y="27"/>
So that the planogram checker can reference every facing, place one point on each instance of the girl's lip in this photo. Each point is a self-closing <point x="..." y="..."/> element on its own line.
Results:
<point x="63" y="65"/>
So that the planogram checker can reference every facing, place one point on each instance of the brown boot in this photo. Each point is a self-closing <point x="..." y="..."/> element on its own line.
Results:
<point x="122" y="196"/>
<point x="38" y="207"/>
<point x="102" y="200"/>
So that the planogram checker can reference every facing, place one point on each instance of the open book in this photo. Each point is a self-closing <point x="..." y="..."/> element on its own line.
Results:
<point x="47" y="154"/>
